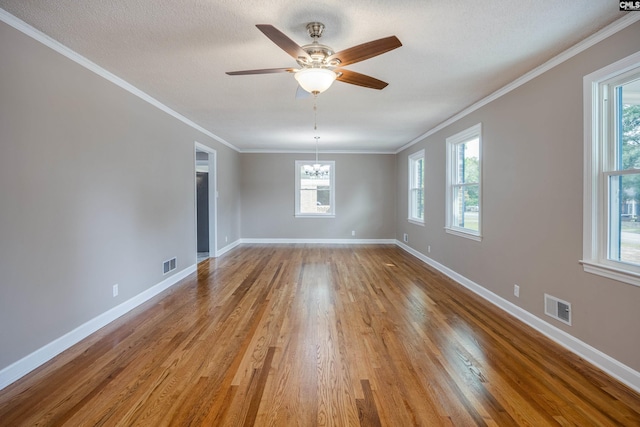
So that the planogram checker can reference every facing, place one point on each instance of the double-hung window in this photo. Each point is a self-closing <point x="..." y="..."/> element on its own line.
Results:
<point x="416" y="187"/>
<point x="464" y="174"/>
<point x="611" y="241"/>
<point x="315" y="189"/>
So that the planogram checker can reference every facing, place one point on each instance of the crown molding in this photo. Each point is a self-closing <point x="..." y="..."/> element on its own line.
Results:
<point x="585" y="44"/>
<point x="41" y="37"/>
<point x="267" y="151"/>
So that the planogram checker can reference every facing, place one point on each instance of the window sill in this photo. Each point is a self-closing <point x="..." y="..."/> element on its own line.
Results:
<point x="611" y="272"/>
<point x="462" y="233"/>
<point x="314" y="216"/>
<point x="415" y="221"/>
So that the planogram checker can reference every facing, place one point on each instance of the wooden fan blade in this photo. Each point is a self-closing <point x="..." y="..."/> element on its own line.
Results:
<point x="263" y="71"/>
<point x="358" y="79"/>
<point x="284" y="42"/>
<point x="366" y="50"/>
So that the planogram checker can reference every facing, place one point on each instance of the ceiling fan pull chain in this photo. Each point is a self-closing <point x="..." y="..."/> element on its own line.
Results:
<point x="315" y="113"/>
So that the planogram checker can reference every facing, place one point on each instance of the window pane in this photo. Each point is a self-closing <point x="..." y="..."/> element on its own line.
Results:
<point x="418" y="173"/>
<point x="465" y="207"/>
<point x="467" y="161"/>
<point x="315" y="193"/>
<point x="624" y="218"/>
<point x="417" y="204"/>
<point x="324" y="196"/>
<point x="416" y="186"/>
<point x="628" y="125"/>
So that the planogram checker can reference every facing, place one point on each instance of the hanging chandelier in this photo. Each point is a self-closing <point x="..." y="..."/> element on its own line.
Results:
<point x="317" y="170"/>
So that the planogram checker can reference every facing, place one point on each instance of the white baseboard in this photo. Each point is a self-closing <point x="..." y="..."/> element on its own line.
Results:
<point x="323" y="241"/>
<point x="30" y="362"/>
<point x="603" y="361"/>
<point x="608" y="364"/>
<point x="227" y="248"/>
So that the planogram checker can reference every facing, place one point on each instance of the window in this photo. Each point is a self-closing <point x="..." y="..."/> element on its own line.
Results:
<point x="464" y="172"/>
<point x="315" y="194"/>
<point x="611" y="242"/>
<point x="416" y="187"/>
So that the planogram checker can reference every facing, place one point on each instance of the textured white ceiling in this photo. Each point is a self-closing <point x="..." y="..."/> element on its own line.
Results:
<point x="454" y="53"/>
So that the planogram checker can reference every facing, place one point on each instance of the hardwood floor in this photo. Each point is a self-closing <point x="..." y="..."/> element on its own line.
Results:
<point x="317" y="335"/>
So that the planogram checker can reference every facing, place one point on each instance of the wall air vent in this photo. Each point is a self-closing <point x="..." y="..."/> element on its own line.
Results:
<point x="557" y="308"/>
<point x="169" y="265"/>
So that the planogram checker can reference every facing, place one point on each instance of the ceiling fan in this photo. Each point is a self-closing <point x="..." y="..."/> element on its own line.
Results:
<point x="319" y="64"/>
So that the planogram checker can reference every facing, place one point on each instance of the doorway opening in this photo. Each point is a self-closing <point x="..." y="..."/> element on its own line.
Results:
<point x="205" y="177"/>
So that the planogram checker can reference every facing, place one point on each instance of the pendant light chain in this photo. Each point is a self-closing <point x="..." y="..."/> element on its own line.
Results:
<point x="316" y="171"/>
<point x="315" y="114"/>
<point x="315" y="124"/>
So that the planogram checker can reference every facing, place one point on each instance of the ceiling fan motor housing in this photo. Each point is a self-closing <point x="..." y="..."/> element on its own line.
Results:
<point x="317" y="52"/>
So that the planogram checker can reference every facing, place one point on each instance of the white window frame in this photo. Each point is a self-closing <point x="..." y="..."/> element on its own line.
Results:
<point x="452" y="142"/>
<point x="595" y="258"/>
<point x="413" y="187"/>
<point x="332" y="185"/>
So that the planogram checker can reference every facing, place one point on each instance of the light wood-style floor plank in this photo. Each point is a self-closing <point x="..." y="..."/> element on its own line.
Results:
<point x="317" y="335"/>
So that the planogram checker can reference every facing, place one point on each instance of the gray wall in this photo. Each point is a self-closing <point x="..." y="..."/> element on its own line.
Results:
<point x="532" y="205"/>
<point x="96" y="188"/>
<point x="364" y="185"/>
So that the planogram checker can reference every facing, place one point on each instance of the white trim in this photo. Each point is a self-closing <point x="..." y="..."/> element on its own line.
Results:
<point x="303" y="215"/>
<point x="213" y="196"/>
<point x="585" y="44"/>
<point x="297" y="151"/>
<point x="20" y="368"/>
<point x="411" y="160"/>
<point x="451" y="180"/>
<point x="227" y="248"/>
<point x="595" y="171"/>
<point x="332" y="189"/>
<point x="610" y="272"/>
<point x="37" y="35"/>
<point x="608" y="364"/>
<point x="461" y="232"/>
<point x="320" y="241"/>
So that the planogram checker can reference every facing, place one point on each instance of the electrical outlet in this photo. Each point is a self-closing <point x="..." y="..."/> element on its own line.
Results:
<point x="226" y="239"/>
<point x="405" y="238"/>
<point x="516" y="290"/>
<point x="353" y="232"/>
<point x="115" y="290"/>
<point x="429" y="249"/>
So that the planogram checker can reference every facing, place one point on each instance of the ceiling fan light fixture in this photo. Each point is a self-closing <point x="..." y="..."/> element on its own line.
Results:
<point x="315" y="80"/>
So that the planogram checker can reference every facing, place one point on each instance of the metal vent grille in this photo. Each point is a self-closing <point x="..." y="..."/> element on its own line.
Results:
<point x="557" y="308"/>
<point x="169" y="265"/>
